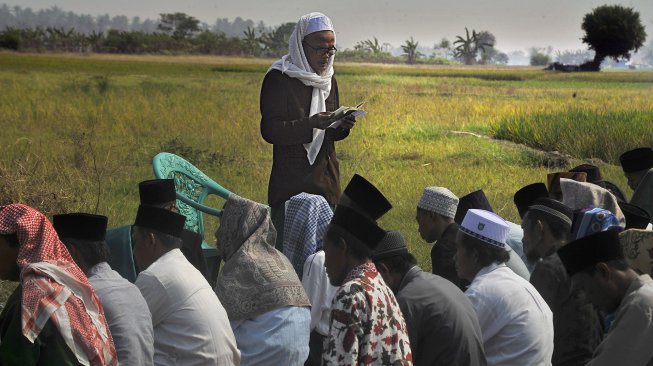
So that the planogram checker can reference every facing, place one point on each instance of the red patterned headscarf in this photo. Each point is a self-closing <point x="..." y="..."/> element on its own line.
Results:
<point x="55" y="288"/>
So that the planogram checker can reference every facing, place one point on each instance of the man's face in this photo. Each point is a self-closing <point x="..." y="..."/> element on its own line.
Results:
<point x="8" y="255"/>
<point x="464" y="262"/>
<point x="335" y="259"/>
<point x="142" y="249"/>
<point x="426" y="227"/>
<point x="634" y="179"/>
<point x="315" y="48"/>
<point x="530" y="239"/>
<point x="595" y="288"/>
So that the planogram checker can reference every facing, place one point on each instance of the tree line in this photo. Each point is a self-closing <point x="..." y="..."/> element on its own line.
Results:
<point x="610" y="32"/>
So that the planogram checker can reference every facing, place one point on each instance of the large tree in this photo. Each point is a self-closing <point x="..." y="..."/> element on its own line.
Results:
<point x="612" y="31"/>
<point x="179" y="25"/>
<point x="276" y="40"/>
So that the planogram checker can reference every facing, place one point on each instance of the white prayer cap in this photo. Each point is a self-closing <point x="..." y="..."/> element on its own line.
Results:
<point x="439" y="200"/>
<point x="486" y="226"/>
<point x="316" y="22"/>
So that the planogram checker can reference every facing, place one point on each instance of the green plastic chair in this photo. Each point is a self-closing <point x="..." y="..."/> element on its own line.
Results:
<point x="121" y="259"/>
<point x="192" y="188"/>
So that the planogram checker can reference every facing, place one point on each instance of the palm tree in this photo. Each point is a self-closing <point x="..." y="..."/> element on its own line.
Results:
<point x="410" y="50"/>
<point x="467" y="48"/>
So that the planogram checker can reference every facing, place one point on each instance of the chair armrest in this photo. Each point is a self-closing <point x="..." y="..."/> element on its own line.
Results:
<point x="206" y="209"/>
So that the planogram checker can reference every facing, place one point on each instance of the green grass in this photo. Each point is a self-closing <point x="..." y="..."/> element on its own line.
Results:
<point x="79" y="132"/>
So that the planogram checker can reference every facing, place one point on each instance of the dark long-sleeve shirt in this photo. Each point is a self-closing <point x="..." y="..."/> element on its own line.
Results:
<point x="285" y="105"/>
<point x="49" y="348"/>
<point x="442" y="257"/>
<point x="577" y="328"/>
<point x="442" y="324"/>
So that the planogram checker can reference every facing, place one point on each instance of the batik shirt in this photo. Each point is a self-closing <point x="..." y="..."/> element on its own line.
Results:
<point x="367" y="327"/>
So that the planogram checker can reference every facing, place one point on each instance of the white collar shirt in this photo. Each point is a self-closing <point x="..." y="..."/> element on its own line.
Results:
<point x="190" y="324"/>
<point x="516" y="322"/>
<point x="320" y="292"/>
<point x="127" y="315"/>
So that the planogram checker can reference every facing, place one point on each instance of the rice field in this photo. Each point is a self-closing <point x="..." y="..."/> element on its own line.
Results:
<point x="79" y="132"/>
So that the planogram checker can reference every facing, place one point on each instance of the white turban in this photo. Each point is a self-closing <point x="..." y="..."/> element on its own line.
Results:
<point x="295" y="65"/>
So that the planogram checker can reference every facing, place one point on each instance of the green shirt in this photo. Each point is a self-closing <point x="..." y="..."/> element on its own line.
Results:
<point x="49" y="348"/>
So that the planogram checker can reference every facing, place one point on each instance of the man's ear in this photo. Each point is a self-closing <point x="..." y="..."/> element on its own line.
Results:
<point x="382" y="268"/>
<point x="150" y="240"/>
<point x="603" y="271"/>
<point x="539" y="228"/>
<point x="343" y="248"/>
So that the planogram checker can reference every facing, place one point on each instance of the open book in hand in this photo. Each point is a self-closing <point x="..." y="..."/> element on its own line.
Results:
<point x="343" y="112"/>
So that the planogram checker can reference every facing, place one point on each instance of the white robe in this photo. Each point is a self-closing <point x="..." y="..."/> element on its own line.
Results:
<point x="190" y="325"/>
<point x="516" y="322"/>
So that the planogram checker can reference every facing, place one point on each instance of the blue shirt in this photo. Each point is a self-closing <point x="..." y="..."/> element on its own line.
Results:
<point x="278" y="337"/>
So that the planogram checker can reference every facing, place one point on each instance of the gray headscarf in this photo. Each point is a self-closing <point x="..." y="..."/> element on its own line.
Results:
<point x="256" y="278"/>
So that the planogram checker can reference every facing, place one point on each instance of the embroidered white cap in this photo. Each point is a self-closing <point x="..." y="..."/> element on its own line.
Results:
<point x="318" y="22"/>
<point x="485" y="226"/>
<point x="439" y="200"/>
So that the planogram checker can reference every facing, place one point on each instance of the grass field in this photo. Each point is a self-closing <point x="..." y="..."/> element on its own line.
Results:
<point x="79" y="132"/>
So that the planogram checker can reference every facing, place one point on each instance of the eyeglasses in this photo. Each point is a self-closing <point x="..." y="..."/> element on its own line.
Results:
<point x="321" y="51"/>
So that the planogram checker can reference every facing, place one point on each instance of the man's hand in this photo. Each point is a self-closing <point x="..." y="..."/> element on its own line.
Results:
<point x="321" y="120"/>
<point x="348" y="122"/>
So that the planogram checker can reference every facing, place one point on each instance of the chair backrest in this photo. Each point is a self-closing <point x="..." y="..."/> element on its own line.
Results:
<point x="120" y="251"/>
<point x="192" y="188"/>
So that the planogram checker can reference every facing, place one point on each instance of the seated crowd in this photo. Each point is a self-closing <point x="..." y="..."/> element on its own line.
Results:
<point x="570" y="286"/>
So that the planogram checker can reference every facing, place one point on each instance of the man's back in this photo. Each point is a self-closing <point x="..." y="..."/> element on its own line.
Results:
<point x="127" y="314"/>
<point x="190" y="325"/>
<point x="442" y="324"/>
<point x="367" y="326"/>
<point x="629" y="340"/>
<point x="516" y="322"/>
<point x="577" y="325"/>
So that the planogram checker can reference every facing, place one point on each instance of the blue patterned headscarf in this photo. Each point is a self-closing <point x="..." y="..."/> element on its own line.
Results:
<point x="594" y="220"/>
<point x="307" y="218"/>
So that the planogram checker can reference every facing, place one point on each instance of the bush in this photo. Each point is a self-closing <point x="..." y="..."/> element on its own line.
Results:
<point x="10" y="39"/>
<point x="540" y="59"/>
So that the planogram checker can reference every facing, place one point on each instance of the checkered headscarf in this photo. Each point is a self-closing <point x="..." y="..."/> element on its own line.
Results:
<point x="55" y="288"/>
<point x="307" y="218"/>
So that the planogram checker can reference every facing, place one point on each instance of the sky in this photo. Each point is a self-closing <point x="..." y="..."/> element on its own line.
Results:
<point x="517" y="24"/>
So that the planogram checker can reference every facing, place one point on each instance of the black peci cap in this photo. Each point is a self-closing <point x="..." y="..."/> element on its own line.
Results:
<point x="157" y="191"/>
<point x="366" y="198"/>
<point x="358" y="225"/>
<point x="583" y="253"/>
<point x="475" y="200"/>
<point x="525" y="197"/>
<point x="636" y="217"/>
<point x="161" y="220"/>
<point x="82" y="226"/>
<point x="637" y="160"/>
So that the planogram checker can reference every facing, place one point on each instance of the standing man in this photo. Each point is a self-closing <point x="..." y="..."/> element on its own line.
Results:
<point x="577" y="328"/>
<point x="442" y="324"/>
<point x="597" y="264"/>
<point x="126" y="311"/>
<point x="190" y="325"/>
<point x="296" y="93"/>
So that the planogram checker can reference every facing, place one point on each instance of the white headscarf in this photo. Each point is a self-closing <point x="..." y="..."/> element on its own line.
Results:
<point x="295" y="65"/>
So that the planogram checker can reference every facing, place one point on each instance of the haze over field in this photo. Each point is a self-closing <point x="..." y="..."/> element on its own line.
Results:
<point x="517" y="24"/>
